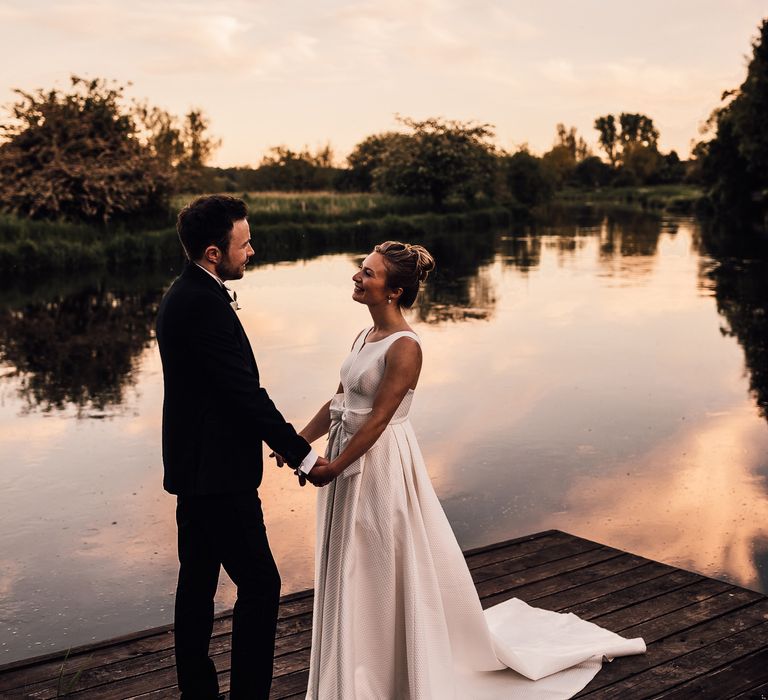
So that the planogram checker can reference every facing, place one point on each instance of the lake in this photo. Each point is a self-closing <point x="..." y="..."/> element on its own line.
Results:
<point x="603" y="374"/>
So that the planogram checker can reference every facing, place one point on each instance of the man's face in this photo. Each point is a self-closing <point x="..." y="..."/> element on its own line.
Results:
<point x="233" y="262"/>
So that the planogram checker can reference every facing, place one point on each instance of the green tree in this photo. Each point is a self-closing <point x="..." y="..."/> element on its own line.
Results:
<point x="608" y="136"/>
<point x="366" y="157"/>
<point x="295" y="171"/>
<point x="196" y="148"/>
<point x="632" y="149"/>
<point x="640" y="164"/>
<point x="78" y="155"/>
<point x="529" y="181"/>
<point x="569" y="150"/>
<point x="593" y="172"/>
<point x="734" y="163"/>
<point x="637" y="129"/>
<point x="438" y="159"/>
<point x="89" y="154"/>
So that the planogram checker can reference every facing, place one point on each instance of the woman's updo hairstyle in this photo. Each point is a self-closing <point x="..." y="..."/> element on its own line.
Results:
<point x="407" y="266"/>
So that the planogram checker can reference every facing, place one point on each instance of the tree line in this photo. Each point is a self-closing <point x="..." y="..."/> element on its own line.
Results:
<point x="91" y="154"/>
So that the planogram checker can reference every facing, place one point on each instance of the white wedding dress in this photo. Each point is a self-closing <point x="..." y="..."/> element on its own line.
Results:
<point x="396" y="614"/>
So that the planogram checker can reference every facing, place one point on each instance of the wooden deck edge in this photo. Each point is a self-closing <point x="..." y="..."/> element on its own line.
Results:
<point x="507" y="543"/>
<point x="167" y="628"/>
<point x="122" y="639"/>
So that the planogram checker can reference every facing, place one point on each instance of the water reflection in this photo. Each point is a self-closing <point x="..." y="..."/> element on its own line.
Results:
<point x="76" y="343"/>
<point x="695" y="500"/>
<point x="78" y="346"/>
<point x="575" y="376"/>
<point x="738" y="275"/>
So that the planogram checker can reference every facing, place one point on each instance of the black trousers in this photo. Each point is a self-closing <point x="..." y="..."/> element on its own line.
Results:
<point x="214" y="531"/>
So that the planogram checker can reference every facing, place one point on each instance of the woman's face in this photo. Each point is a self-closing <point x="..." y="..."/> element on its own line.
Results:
<point x="371" y="281"/>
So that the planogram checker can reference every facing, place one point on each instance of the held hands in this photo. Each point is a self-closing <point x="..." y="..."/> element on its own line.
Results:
<point x="319" y="475"/>
<point x="280" y="460"/>
<point x="322" y="474"/>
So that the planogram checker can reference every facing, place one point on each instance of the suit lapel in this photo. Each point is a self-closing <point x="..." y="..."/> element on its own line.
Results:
<point x="202" y="277"/>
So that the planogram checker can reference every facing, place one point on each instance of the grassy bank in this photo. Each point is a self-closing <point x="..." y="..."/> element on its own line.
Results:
<point x="321" y="207"/>
<point x="674" y="199"/>
<point x="284" y="226"/>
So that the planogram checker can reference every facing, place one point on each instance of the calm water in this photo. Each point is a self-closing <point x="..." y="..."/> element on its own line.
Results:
<point x="598" y="375"/>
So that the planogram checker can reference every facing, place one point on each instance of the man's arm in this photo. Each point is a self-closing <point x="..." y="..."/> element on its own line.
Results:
<point x="229" y="378"/>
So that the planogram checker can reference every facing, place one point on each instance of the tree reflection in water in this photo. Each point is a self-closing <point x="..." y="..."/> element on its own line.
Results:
<point x="461" y="287"/>
<point x="738" y="276"/>
<point x="78" y="344"/>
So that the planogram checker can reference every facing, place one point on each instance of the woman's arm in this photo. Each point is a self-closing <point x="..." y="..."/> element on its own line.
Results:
<point x="316" y="428"/>
<point x="401" y="372"/>
<point x="321" y="423"/>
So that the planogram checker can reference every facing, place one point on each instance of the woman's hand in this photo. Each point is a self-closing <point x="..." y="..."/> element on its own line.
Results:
<point x="322" y="475"/>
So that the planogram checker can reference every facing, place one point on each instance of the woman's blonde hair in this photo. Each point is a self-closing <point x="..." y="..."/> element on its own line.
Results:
<point x="407" y="266"/>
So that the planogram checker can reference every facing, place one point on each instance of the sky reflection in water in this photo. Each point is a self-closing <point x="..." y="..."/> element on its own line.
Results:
<point x="578" y="377"/>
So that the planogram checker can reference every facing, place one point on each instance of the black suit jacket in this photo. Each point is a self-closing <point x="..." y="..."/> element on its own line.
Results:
<point x="215" y="412"/>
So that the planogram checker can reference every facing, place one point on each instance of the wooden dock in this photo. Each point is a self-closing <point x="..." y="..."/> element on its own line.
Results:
<point x="706" y="638"/>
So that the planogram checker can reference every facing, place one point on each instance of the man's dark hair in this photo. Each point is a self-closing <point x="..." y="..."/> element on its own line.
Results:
<point x="208" y="221"/>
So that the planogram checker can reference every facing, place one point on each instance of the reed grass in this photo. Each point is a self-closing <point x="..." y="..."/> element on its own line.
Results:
<point x="673" y="198"/>
<point x="283" y="226"/>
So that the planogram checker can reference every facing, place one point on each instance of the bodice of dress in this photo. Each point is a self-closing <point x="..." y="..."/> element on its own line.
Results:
<point x="361" y="374"/>
<point x="363" y="370"/>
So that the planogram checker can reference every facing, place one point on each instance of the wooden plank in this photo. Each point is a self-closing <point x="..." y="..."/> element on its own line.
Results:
<point x="573" y="586"/>
<point x="611" y="597"/>
<point x="654" y="597"/>
<point x="291" y="604"/>
<point x="138" y="649"/>
<point x="289" y="656"/>
<point x="726" y="682"/>
<point x="530" y="553"/>
<point x="686" y="667"/>
<point x="286" y="686"/>
<point x="556" y="559"/>
<point x="699" y="630"/>
<point x="758" y="693"/>
<point x="680" y="633"/>
<point x="476" y="551"/>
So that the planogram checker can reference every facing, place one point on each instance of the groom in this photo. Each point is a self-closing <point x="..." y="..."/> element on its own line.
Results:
<point x="215" y="417"/>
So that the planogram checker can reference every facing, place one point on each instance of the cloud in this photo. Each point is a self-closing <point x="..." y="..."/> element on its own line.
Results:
<point x="176" y="37"/>
<point x="560" y="71"/>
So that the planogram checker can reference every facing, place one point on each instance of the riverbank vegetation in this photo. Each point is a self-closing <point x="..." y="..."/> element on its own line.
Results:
<point x="90" y="177"/>
<point x="673" y="199"/>
<point x="284" y="226"/>
<point x="733" y="163"/>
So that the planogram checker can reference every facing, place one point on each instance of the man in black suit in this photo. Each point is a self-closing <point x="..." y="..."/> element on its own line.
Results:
<point x="215" y="417"/>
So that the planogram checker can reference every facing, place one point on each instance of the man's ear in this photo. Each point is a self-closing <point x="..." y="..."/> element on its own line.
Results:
<point x="212" y="254"/>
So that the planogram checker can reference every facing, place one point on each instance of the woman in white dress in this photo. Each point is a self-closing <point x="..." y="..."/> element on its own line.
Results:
<point x="396" y="614"/>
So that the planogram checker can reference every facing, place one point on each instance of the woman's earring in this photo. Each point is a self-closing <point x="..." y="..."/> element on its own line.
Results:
<point x="389" y="300"/>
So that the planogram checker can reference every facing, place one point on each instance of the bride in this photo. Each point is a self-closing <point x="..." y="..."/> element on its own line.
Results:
<point x="396" y="614"/>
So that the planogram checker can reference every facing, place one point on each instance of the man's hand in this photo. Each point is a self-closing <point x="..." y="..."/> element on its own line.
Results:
<point x="278" y="458"/>
<point x="321" y="462"/>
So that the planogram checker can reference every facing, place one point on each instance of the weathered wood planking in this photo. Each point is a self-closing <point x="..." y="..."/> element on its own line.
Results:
<point x="706" y="638"/>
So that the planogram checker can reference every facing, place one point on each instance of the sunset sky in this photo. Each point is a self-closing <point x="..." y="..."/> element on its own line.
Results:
<point x="304" y="73"/>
